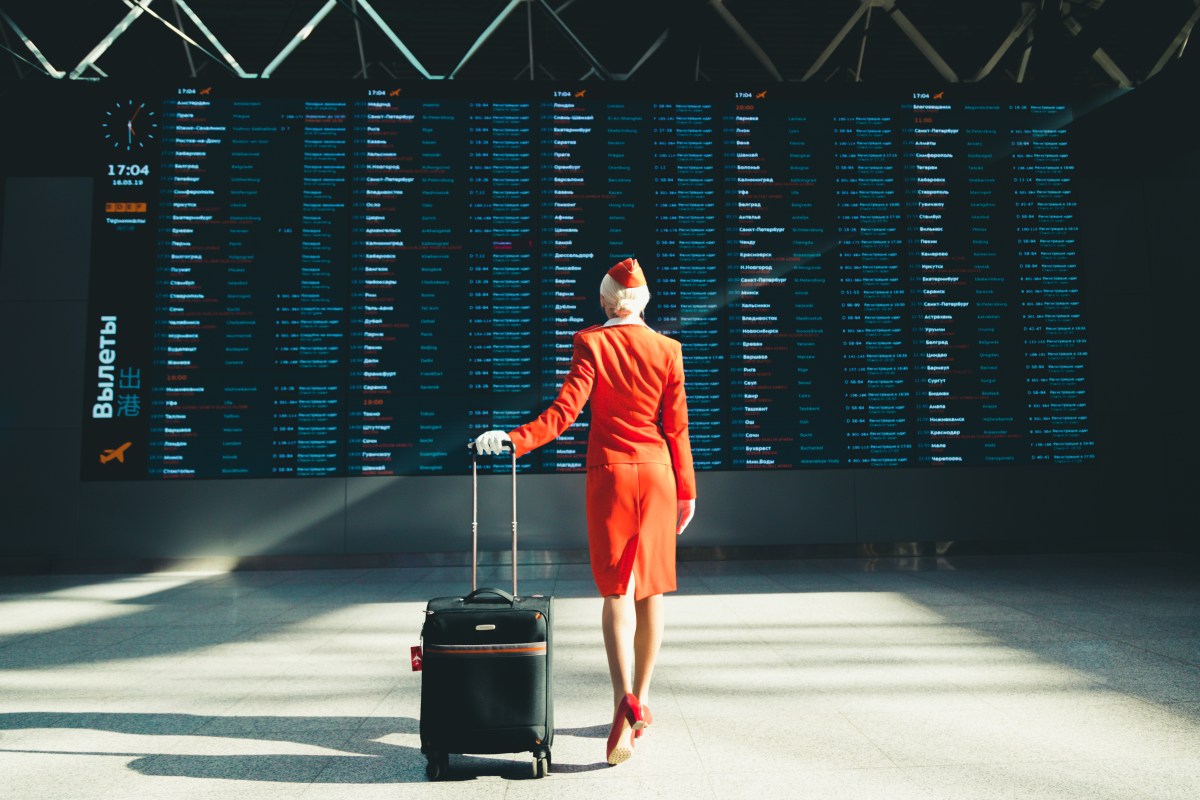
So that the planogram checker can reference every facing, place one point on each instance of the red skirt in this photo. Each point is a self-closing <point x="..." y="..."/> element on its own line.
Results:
<point x="631" y="515"/>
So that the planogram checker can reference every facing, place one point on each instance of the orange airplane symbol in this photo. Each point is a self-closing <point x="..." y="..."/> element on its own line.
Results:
<point x="761" y="95"/>
<point x="581" y="93"/>
<point x="206" y="90"/>
<point x="938" y="96"/>
<point x="114" y="452"/>
<point x="395" y="92"/>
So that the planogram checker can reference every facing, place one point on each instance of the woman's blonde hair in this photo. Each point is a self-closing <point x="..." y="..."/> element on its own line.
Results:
<point x="622" y="300"/>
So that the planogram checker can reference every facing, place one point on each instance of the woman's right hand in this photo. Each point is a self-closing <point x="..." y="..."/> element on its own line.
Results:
<point x="687" y="510"/>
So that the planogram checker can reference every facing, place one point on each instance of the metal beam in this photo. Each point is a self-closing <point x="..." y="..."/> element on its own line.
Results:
<point x="897" y="16"/>
<point x="1175" y="48"/>
<point x="362" y="55"/>
<point x="837" y="40"/>
<point x="624" y="76"/>
<point x="33" y="48"/>
<point x="747" y="39"/>
<point x="1028" y="15"/>
<point x="1110" y="67"/>
<point x="1026" y="52"/>
<point x="862" y="46"/>
<point x="570" y="36"/>
<point x="547" y="73"/>
<point x="487" y="34"/>
<point x="529" y="36"/>
<point x="187" y="50"/>
<point x="646" y="56"/>
<point x="90" y="59"/>
<point x="225" y="54"/>
<point x="178" y="31"/>
<point x="1098" y="55"/>
<point x="300" y="36"/>
<point x="17" y="59"/>
<point x="395" y="40"/>
<point x="555" y="19"/>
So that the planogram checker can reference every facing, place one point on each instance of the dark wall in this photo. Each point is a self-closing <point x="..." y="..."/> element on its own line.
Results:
<point x="1139" y="186"/>
<point x="1137" y="225"/>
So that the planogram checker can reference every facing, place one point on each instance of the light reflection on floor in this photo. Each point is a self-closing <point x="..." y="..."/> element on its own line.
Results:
<point x="961" y="678"/>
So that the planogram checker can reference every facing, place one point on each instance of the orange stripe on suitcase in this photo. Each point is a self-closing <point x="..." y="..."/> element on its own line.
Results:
<point x="527" y="649"/>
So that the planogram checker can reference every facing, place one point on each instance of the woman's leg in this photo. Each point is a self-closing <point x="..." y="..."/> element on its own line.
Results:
<point x="646" y="642"/>
<point x="619" y="623"/>
<point x="633" y="634"/>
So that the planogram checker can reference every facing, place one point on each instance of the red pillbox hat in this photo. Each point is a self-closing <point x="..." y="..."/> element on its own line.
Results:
<point x="628" y="273"/>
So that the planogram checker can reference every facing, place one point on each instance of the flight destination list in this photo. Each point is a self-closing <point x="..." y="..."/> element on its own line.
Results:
<point x="356" y="282"/>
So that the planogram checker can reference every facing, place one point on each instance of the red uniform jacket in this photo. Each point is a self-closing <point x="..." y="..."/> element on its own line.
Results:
<point x="634" y="377"/>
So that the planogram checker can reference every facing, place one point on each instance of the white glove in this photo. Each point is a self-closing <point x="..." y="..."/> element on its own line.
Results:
<point x="686" y="510"/>
<point x="491" y="443"/>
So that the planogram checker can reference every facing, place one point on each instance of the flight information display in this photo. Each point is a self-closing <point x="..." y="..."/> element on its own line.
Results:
<point x="355" y="281"/>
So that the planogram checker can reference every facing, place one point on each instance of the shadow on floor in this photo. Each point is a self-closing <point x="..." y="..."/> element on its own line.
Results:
<point x="358" y="749"/>
<point x="219" y="610"/>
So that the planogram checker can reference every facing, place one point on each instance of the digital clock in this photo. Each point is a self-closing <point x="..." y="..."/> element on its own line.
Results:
<point x="131" y="170"/>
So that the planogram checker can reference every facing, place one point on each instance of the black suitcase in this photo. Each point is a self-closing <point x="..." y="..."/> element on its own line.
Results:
<point x="486" y="669"/>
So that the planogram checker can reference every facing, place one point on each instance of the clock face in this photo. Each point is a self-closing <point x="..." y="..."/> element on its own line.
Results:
<point x="129" y="125"/>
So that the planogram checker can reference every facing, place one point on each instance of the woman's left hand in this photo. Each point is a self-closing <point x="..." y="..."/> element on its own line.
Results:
<point x="492" y="443"/>
<point x="687" y="510"/>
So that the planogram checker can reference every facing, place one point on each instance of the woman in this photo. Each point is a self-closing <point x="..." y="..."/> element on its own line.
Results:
<point x="641" y="489"/>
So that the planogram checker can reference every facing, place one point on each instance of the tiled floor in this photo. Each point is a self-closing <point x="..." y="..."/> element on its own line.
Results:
<point x="966" y="678"/>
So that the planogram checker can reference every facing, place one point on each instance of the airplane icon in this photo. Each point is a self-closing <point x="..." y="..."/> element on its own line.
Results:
<point x="395" y="92"/>
<point x="114" y="452"/>
<point x="939" y="95"/>
<point x="206" y="90"/>
<point x="761" y="95"/>
<point x="581" y="93"/>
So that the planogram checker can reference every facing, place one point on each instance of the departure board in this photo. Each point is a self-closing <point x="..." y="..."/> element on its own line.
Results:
<point x="351" y="281"/>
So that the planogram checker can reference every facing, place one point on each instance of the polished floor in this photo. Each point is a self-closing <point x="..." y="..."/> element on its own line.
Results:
<point x="967" y="678"/>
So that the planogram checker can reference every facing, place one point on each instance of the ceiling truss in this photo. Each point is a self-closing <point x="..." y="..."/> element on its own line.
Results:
<point x="178" y="18"/>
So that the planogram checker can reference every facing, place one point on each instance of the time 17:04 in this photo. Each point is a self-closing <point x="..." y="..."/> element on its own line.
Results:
<point x="131" y="170"/>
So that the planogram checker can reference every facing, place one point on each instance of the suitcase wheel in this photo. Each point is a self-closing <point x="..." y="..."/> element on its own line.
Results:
<point x="438" y="766"/>
<point x="541" y="762"/>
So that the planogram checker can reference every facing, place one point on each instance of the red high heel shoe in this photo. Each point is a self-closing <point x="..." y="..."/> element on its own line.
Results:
<point x="647" y="720"/>
<point x="628" y="718"/>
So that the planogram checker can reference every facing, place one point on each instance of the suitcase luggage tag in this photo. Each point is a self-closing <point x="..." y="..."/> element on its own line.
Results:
<point x="417" y="657"/>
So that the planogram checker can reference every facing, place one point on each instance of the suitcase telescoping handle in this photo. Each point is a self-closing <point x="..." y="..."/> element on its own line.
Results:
<point x="475" y="514"/>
